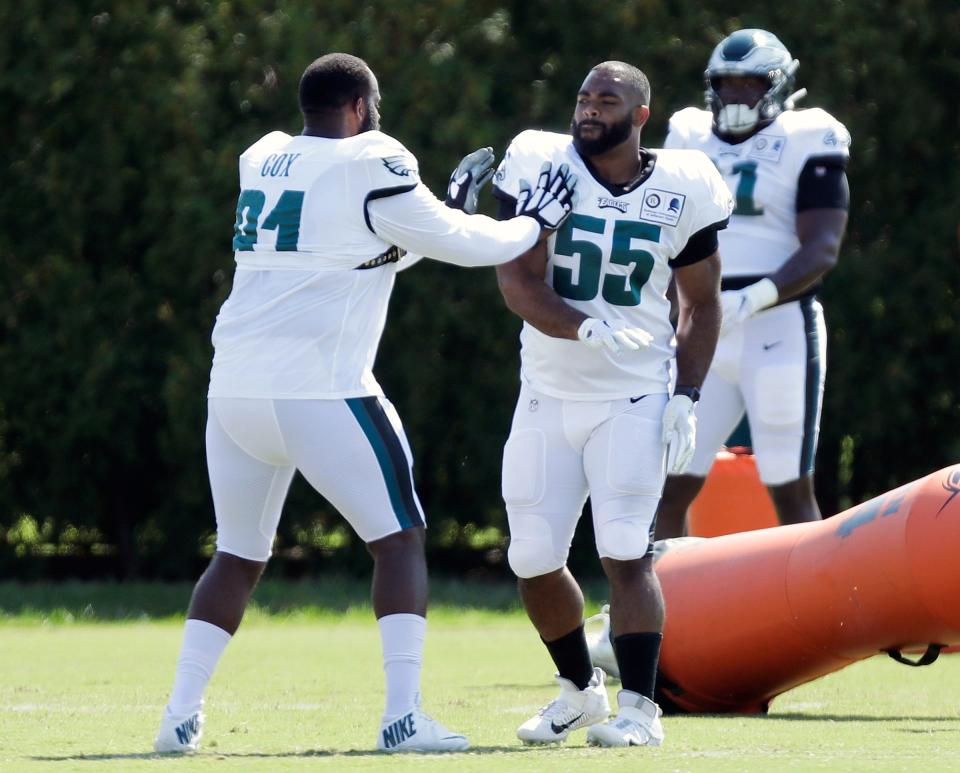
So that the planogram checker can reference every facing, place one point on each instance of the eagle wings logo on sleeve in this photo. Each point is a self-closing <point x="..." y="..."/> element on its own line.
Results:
<point x="399" y="165"/>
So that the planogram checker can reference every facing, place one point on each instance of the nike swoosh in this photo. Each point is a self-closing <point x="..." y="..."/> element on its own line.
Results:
<point x="767" y="347"/>
<point x="560" y="728"/>
<point x="637" y="399"/>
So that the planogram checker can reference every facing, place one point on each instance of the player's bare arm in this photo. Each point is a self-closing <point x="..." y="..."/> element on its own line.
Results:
<point x="527" y="295"/>
<point x="820" y="232"/>
<point x="698" y="327"/>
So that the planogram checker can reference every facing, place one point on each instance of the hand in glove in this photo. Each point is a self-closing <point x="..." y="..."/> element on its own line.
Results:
<point x="738" y="305"/>
<point x="554" y="198"/>
<point x="472" y="173"/>
<point x="612" y="336"/>
<point x="679" y="433"/>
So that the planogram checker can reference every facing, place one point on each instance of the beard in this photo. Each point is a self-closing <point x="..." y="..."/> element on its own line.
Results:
<point x="609" y="137"/>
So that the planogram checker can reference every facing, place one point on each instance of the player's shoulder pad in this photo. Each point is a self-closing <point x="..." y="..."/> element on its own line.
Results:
<point x="692" y="124"/>
<point x="816" y="131"/>
<point x="687" y="164"/>
<point x="267" y="144"/>
<point x="695" y="176"/>
<point x="385" y="160"/>
<point x="525" y="155"/>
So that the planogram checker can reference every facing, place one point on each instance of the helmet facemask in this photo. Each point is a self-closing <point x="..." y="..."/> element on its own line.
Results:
<point x="744" y="54"/>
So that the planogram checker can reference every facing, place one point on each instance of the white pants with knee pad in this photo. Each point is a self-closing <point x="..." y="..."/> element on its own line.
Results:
<point x="561" y="451"/>
<point x="354" y="452"/>
<point x="773" y="367"/>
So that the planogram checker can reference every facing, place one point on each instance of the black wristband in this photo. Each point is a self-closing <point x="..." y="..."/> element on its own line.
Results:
<point x="690" y="391"/>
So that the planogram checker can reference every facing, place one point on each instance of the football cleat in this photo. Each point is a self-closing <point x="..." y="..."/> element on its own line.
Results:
<point x="571" y="710"/>
<point x="179" y="735"/>
<point x="417" y="732"/>
<point x="600" y="646"/>
<point x="637" y="723"/>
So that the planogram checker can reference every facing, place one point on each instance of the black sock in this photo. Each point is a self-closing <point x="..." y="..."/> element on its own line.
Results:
<point x="571" y="656"/>
<point x="637" y="657"/>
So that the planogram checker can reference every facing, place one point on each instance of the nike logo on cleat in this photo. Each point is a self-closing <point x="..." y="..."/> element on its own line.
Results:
<point x="399" y="731"/>
<point x="565" y="726"/>
<point x="187" y="730"/>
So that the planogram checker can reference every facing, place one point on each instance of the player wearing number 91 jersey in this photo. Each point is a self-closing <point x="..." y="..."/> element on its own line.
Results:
<point x="786" y="170"/>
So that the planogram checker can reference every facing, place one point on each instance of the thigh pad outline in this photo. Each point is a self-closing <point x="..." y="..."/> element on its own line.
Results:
<point x="524" y="468"/>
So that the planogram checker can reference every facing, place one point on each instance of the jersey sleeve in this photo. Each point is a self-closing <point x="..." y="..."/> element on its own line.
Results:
<point x="385" y="169"/>
<point x="823" y="136"/>
<point x="823" y="184"/>
<point x="421" y="224"/>
<point x="715" y="206"/>
<point x="517" y="164"/>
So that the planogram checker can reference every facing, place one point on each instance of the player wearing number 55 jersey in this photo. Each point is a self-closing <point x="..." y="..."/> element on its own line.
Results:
<point x="593" y="417"/>
<point x="323" y="222"/>
<point x="785" y="168"/>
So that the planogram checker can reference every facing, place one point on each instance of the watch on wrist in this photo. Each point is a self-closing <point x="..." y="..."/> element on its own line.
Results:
<point x="690" y="391"/>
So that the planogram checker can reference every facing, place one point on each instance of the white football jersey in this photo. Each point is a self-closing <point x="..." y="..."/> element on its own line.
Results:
<point x="762" y="173"/>
<point x="319" y="223"/>
<point x="612" y="260"/>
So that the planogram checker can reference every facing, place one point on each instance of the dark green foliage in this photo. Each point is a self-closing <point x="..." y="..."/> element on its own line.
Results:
<point x="121" y="127"/>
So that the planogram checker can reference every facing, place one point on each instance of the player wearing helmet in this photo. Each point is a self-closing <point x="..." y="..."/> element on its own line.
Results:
<point x="786" y="171"/>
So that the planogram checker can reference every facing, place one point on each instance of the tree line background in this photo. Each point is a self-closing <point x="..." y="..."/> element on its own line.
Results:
<point x="122" y="123"/>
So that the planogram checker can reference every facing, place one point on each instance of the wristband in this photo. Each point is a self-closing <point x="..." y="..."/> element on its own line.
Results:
<point x="690" y="391"/>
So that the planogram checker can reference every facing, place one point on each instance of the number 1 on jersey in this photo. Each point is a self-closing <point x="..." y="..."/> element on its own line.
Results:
<point x="284" y="218"/>
<point x="745" y="187"/>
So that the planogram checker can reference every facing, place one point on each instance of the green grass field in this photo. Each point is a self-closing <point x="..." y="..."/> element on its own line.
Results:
<point x="86" y="670"/>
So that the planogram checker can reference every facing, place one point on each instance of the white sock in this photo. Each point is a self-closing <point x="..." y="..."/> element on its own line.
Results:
<point x="203" y="644"/>
<point x="402" y="638"/>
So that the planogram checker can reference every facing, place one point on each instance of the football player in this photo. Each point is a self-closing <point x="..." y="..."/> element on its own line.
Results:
<point x="323" y="220"/>
<point x="785" y="169"/>
<point x="594" y="416"/>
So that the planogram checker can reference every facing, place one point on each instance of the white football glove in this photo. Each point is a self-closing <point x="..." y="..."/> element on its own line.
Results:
<point x="738" y="305"/>
<point x="472" y="173"/>
<point x="554" y="198"/>
<point x="612" y="336"/>
<point x="679" y="433"/>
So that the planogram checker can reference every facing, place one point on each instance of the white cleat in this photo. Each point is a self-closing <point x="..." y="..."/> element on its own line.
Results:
<point x="600" y="646"/>
<point x="636" y="724"/>
<point x="417" y="732"/>
<point x="571" y="710"/>
<point x="179" y="735"/>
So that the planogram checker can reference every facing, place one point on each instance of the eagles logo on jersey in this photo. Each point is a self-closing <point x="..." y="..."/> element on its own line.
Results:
<point x="612" y="259"/>
<point x="400" y="166"/>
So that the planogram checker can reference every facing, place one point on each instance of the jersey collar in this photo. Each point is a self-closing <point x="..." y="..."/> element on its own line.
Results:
<point x="649" y="160"/>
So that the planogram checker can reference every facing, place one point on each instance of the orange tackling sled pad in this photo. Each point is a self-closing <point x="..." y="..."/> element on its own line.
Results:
<point x="752" y="615"/>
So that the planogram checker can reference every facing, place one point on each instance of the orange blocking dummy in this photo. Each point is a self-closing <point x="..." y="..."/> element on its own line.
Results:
<point x="732" y="499"/>
<point x="752" y="615"/>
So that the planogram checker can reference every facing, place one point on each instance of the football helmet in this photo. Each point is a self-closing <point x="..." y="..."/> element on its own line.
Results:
<point x="747" y="53"/>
